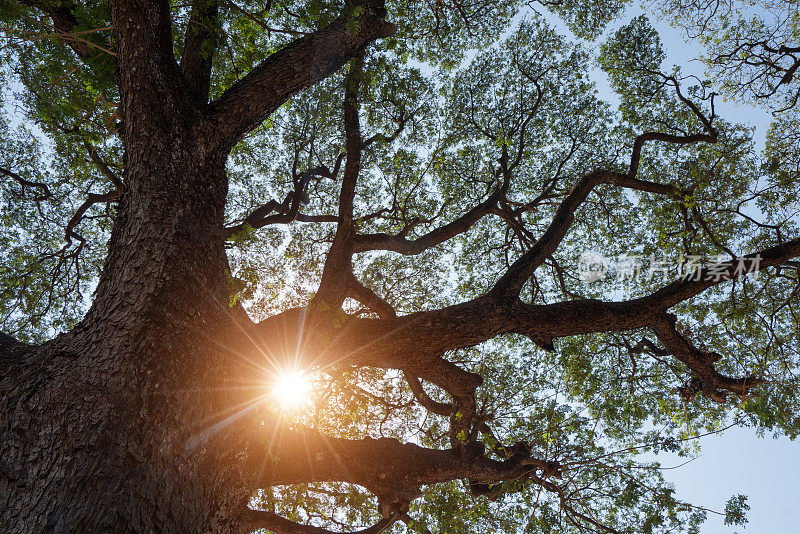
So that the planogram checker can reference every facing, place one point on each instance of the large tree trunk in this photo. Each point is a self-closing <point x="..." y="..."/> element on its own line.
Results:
<point x="138" y="420"/>
<point x="114" y="427"/>
<point x="103" y="428"/>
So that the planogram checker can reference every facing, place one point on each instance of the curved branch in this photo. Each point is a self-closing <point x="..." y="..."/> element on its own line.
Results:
<point x="46" y="193"/>
<point x="712" y="383"/>
<point x="256" y="218"/>
<point x="424" y="399"/>
<point x="102" y="165"/>
<point x="91" y="200"/>
<point x="300" y="64"/>
<point x="337" y="275"/>
<point x="518" y="273"/>
<point x="521" y="270"/>
<point x="665" y="138"/>
<point x="289" y="209"/>
<point x="398" y="243"/>
<point x="370" y="299"/>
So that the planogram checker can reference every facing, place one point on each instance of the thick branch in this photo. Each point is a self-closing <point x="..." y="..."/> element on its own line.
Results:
<point x="384" y="466"/>
<point x="337" y="275"/>
<point x="301" y="64"/>
<point x="701" y="362"/>
<point x="198" y="50"/>
<point x="591" y="316"/>
<point x="370" y="299"/>
<point x="416" y="342"/>
<point x="424" y="399"/>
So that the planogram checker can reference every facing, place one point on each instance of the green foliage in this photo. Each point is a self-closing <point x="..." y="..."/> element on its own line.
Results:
<point x="588" y="19"/>
<point x="735" y="510"/>
<point x="743" y="42"/>
<point x="631" y="57"/>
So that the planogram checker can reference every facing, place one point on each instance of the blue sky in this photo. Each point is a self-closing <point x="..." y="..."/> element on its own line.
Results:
<point x="766" y="470"/>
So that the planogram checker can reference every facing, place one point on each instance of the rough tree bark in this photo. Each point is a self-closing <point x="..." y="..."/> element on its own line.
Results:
<point x="102" y="428"/>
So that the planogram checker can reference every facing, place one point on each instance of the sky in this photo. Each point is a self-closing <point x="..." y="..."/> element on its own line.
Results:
<point x="767" y="470"/>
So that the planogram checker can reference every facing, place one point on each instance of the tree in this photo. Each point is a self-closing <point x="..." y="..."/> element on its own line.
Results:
<point x="390" y="198"/>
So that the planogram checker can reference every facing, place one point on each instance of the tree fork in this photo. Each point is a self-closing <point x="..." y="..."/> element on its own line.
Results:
<point x="104" y="423"/>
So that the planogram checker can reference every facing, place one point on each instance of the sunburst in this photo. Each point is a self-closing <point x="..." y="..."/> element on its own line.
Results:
<point x="292" y="390"/>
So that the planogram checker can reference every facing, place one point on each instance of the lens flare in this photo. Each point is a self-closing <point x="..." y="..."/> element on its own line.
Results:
<point x="292" y="390"/>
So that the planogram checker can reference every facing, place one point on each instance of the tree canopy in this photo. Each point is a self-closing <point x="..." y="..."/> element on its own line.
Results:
<point x="507" y="294"/>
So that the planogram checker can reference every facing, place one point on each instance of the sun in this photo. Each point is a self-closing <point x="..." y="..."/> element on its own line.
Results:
<point x="292" y="390"/>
